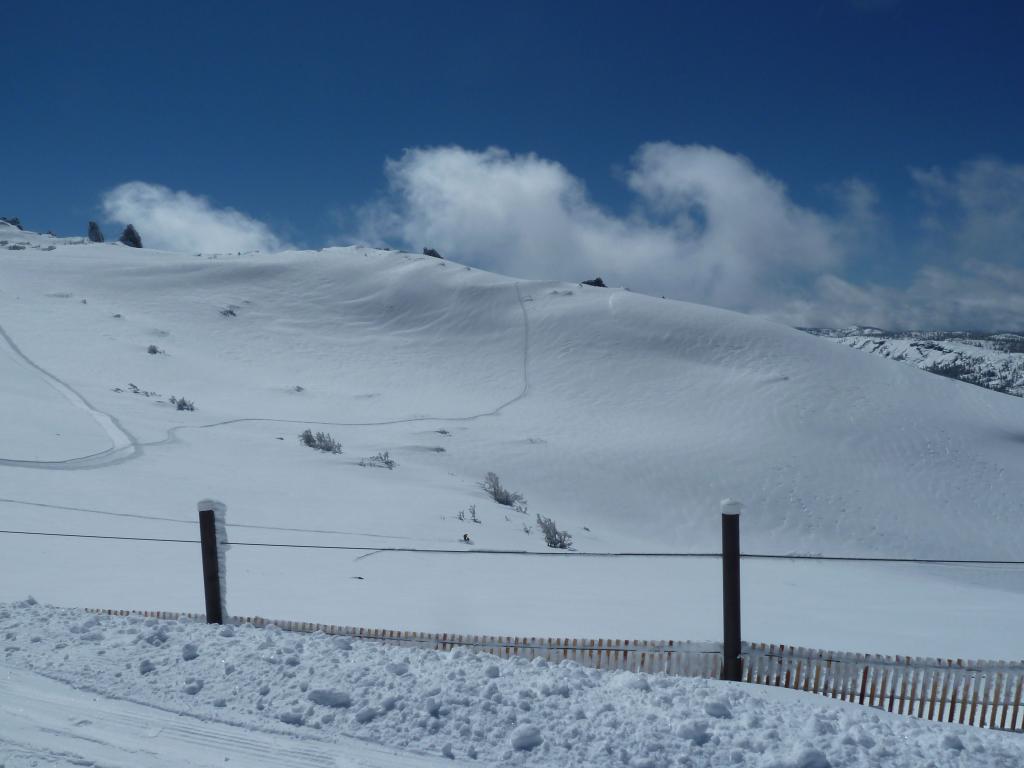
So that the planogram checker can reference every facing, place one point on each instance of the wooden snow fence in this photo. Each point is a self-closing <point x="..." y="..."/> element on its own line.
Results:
<point x="985" y="694"/>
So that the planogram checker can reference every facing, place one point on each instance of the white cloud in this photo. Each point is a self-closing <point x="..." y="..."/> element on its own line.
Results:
<point x="707" y="226"/>
<point x="178" y="221"/>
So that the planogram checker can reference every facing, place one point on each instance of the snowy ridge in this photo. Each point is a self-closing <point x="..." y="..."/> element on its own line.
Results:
<point x="464" y="706"/>
<point x="990" y="360"/>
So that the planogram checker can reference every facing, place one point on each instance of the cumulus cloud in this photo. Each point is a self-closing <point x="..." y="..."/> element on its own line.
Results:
<point x="709" y="226"/>
<point x="179" y="221"/>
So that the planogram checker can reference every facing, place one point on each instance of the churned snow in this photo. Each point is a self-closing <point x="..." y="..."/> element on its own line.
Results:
<point x="470" y="707"/>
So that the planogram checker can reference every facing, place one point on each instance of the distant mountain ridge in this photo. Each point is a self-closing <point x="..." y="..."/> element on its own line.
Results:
<point x="991" y="360"/>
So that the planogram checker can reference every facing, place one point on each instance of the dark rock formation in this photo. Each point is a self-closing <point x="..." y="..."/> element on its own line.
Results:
<point x="14" y="221"/>
<point x="130" y="237"/>
<point x="432" y="252"/>
<point x="597" y="282"/>
<point x="95" y="235"/>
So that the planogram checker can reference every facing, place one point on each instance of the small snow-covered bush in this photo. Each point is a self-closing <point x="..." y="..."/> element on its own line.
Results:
<point x="321" y="441"/>
<point x="492" y="487"/>
<point x="153" y="349"/>
<point x="182" y="404"/>
<point x="553" y="537"/>
<point x="382" y="459"/>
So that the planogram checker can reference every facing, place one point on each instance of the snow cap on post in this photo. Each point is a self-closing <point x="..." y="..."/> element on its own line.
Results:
<point x="731" y="507"/>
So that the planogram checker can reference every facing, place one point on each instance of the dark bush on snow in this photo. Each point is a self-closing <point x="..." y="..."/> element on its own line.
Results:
<point x="182" y="404"/>
<point x="382" y="459"/>
<point x="432" y="252"/>
<point x="553" y="537"/>
<point x="597" y="282"/>
<point x="492" y="487"/>
<point x="321" y="441"/>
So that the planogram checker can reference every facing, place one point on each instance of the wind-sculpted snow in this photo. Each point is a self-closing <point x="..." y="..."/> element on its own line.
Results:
<point x="471" y="707"/>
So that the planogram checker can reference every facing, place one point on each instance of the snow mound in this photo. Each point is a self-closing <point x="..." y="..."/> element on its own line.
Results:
<point x="451" y="704"/>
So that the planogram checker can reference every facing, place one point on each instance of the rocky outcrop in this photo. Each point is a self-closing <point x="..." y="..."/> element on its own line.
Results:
<point x="131" y="237"/>
<point x="432" y="252"/>
<point x="14" y="221"/>
<point x="597" y="282"/>
<point x="95" y="235"/>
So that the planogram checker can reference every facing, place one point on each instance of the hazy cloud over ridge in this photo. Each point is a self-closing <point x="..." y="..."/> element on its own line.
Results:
<point x="179" y="221"/>
<point x="708" y="226"/>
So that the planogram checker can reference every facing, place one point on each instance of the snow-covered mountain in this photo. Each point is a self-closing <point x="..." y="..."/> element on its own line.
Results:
<point x="622" y="417"/>
<point x="991" y="360"/>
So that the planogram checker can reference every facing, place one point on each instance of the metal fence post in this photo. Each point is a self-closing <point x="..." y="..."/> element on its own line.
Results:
<point x="732" y="667"/>
<point x="211" y="565"/>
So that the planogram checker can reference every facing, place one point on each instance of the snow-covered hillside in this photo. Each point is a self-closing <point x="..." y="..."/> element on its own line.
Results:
<point x="623" y="417"/>
<point x="993" y="360"/>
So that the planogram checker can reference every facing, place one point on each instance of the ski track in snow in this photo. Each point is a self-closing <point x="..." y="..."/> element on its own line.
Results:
<point x="120" y="439"/>
<point x="124" y="447"/>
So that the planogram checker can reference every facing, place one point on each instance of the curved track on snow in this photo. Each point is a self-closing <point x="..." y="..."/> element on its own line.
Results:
<point x="124" y="447"/>
<point x="122" y="444"/>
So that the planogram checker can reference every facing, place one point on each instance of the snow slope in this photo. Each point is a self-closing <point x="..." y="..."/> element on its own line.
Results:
<point x="623" y="417"/>
<point x="196" y="694"/>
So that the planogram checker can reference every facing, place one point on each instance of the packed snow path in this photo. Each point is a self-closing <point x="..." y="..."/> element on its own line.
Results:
<point x="326" y="690"/>
<point x="44" y="722"/>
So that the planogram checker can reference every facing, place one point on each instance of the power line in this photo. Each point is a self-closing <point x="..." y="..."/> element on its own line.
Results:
<point x="527" y="553"/>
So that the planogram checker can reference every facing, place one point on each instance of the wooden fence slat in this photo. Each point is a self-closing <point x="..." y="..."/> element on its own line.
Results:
<point x="1007" y="683"/>
<point x="947" y="674"/>
<point x="996" y="698"/>
<point x="913" y="673"/>
<point x="1017" y="702"/>
<point x="933" y="694"/>
<point x="954" y="684"/>
<point x="978" y="681"/>
<point x="896" y="671"/>
<point x="926" y="678"/>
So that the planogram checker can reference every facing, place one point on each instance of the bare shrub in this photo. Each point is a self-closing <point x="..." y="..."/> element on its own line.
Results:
<point x="153" y="349"/>
<point x="321" y="441"/>
<point x="492" y="487"/>
<point x="382" y="459"/>
<point x="182" y="404"/>
<point x="553" y="537"/>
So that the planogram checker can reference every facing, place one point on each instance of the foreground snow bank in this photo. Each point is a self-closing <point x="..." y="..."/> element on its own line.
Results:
<point x="467" y="706"/>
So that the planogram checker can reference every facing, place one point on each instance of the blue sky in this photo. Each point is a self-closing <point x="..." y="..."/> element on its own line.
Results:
<point x="823" y="162"/>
